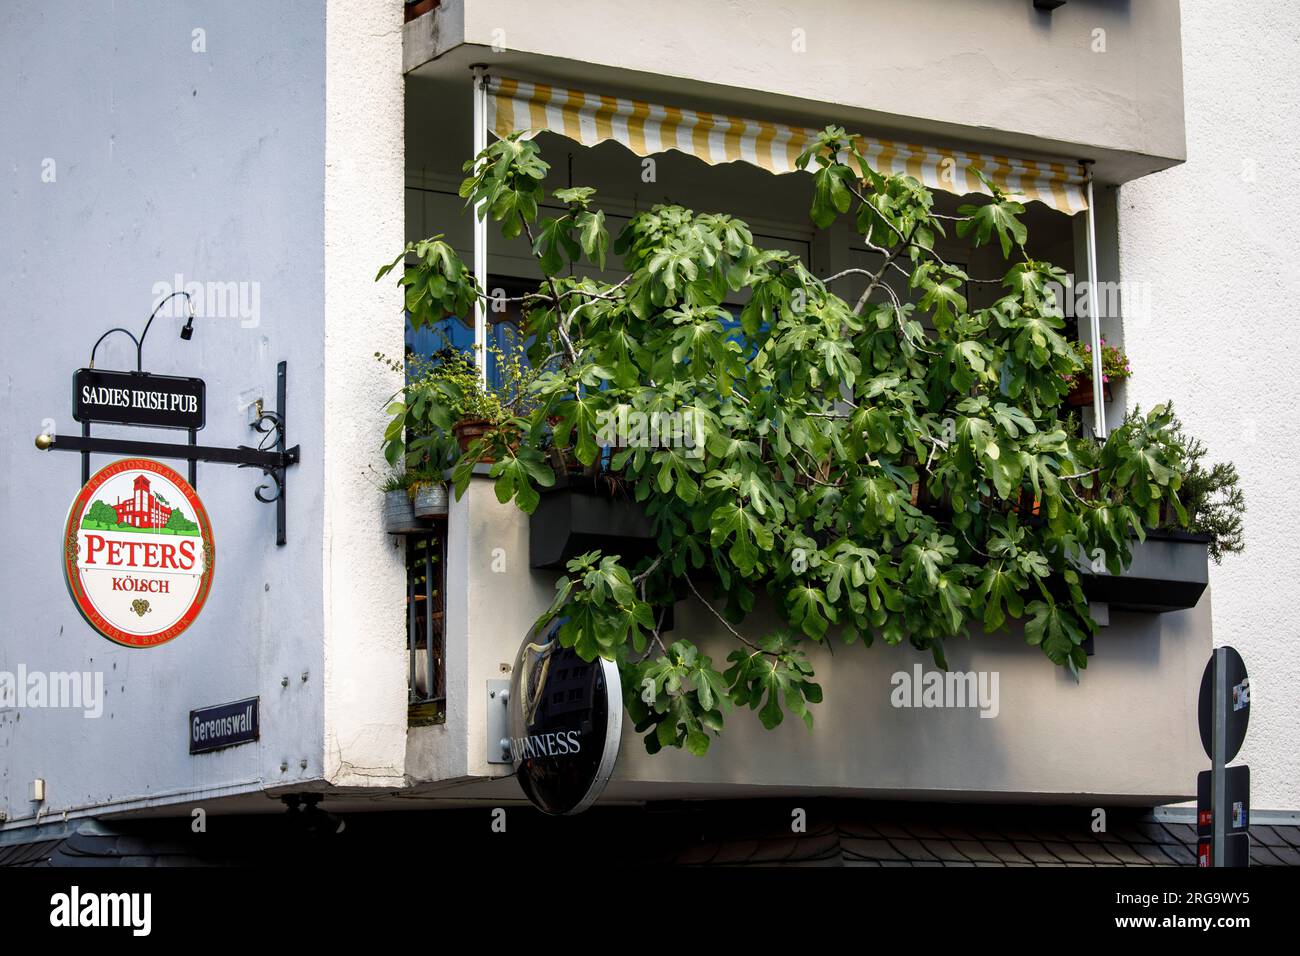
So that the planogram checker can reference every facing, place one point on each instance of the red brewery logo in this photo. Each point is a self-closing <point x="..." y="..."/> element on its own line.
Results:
<point x="138" y="553"/>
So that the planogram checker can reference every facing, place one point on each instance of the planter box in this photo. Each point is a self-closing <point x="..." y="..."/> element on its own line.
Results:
<point x="1170" y="572"/>
<point x="577" y="516"/>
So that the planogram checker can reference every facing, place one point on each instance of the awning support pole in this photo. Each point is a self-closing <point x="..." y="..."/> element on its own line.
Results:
<point x="480" y="226"/>
<point x="1094" y="322"/>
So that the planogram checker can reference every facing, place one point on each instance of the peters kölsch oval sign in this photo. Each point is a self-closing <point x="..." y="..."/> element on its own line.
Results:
<point x="565" y="719"/>
<point x="138" y="553"/>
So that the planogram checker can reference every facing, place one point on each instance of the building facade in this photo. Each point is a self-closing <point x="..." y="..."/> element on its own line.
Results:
<point x="270" y="157"/>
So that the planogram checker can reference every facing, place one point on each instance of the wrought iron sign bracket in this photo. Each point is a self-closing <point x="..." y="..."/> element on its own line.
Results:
<point x="273" y="461"/>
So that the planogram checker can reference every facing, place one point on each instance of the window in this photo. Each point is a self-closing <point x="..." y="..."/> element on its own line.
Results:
<point x="425" y="625"/>
<point x="504" y="318"/>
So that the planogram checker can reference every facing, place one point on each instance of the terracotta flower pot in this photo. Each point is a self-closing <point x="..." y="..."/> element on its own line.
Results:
<point x="416" y="7"/>
<point x="1029" y="504"/>
<point x="469" y="430"/>
<point x="1081" y="393"/>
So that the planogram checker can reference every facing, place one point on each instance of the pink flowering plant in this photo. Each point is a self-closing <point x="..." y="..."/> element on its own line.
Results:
<point x="1114" y="364"/>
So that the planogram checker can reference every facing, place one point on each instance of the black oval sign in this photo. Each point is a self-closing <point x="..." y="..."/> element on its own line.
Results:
<point x="1236" y="704"/>
<point x="566" y="717"/>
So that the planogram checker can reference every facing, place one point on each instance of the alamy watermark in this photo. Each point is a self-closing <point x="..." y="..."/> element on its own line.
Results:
<point x="80" y="690"/>
<point x="133" y="911"/>
<point x="625" y="427"/>
<point x="947" y="689"/>
<point x="1073" y="299"/>
<point x="211" y="300"/>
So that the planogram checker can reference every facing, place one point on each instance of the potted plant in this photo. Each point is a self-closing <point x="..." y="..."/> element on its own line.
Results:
<point x="451" y="376"/>
<point x="1212" y="500"/>
<point x="428" y="496"/>
<point x="399" y="511"/>
<point x="1114" y="368"/>
<point x="446" y="413"/>
<point x="1169" y="567"/>
<point x="488" y="413"/>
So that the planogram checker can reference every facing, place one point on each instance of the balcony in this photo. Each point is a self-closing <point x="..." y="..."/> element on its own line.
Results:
<point x="1143" y="676"/>
<point x="501" y="565"/>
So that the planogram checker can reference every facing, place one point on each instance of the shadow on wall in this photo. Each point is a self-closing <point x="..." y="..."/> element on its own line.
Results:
<point x="1002" y="720"/>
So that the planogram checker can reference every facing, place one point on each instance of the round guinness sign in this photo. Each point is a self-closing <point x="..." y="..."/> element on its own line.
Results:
<point x="138" y="553"/>
<point x="566" y="717"/>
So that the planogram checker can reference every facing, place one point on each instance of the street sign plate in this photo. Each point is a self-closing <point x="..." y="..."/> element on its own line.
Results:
<point x="1238" y="801"/>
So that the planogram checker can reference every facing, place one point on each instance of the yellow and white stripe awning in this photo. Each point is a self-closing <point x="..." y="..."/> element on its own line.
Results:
<point x="647" y="128"/>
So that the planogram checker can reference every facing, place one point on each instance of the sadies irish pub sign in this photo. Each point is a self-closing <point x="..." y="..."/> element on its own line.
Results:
<point x="138" y="551"/>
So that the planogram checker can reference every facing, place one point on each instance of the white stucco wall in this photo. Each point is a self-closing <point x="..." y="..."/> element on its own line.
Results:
<point x="364" y="629"/>
<point x="166" y="160"/>
<point x="211" y="154"/>
<point x="1098" y="74"/>
<point x="1216" y="240"/>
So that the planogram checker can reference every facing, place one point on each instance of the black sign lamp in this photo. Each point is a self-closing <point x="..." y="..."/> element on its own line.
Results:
<point x="272" y="455"/>
<point x="187" y="332"/>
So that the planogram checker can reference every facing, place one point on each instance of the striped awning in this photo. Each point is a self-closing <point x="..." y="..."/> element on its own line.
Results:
<point x="647" y="128"/>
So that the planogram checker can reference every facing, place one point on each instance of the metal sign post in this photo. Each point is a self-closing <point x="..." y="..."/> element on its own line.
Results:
<point x="145" y="400"/>
<point x="1219" y="772"/>
<point x="1223" y="713"/>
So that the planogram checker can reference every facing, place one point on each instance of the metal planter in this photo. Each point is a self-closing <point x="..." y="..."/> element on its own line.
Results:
<point x="399" y="514"/>
<point x="577" y="517"/>
<point x="1170" y="572"/>
<point x="430" y="500"/>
